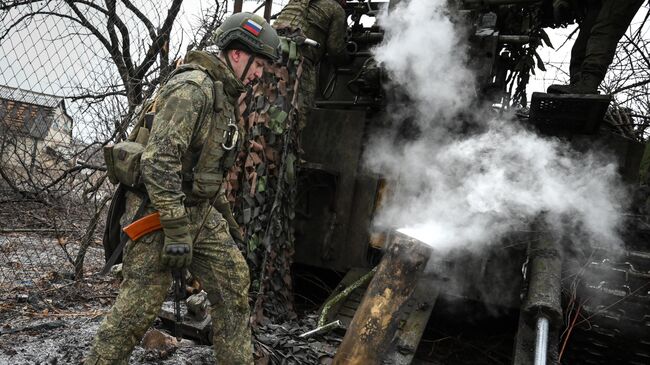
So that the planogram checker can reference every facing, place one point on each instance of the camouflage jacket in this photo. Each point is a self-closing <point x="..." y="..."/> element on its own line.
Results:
<point x="326" y="24"/>
<point x="181" y="163"/>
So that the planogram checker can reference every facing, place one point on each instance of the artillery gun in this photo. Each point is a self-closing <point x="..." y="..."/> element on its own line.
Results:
<point x="526" y="287"/>
<point x="512" y="304"/>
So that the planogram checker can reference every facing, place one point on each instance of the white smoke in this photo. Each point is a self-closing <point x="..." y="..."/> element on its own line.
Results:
<point x="466" y="190"/>
<point x="424" y="52"/>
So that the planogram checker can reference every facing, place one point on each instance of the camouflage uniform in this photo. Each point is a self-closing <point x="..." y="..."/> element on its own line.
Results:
<point x="186" y="123"/>
<point x="326" y="24"/>
<point x="604" y="24"/>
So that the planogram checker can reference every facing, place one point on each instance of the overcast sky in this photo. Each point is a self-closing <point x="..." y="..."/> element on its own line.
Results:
<point x="39" y="57"/>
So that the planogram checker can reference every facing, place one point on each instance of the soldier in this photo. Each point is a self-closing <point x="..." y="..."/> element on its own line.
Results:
<point x="182" y="168"/>
<point x="325" y="22"/>
<point x="603" y="26"/>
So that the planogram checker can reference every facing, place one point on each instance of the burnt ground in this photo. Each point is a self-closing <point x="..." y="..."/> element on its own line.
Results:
<point x="48" y="317"/>
<point x="53" y="322"/>
<point x="58" y="329"/>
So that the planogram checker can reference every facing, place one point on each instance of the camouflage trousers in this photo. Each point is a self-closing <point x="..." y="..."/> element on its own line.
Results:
<point x="218" y="265"/>
<point x="603" y="26"/>
<point x="306" y="92"/>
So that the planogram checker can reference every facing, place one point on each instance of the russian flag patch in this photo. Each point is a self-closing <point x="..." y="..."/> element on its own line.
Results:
<point x="252" y="27"/>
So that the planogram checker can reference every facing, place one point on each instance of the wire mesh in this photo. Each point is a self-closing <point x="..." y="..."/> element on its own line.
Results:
<point x="72" y="72"/>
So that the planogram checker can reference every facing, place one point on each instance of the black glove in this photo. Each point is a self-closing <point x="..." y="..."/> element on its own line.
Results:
<point x="177" y="249"/>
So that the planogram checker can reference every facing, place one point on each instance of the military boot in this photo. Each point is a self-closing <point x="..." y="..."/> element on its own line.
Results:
<point x="587" y="84"/>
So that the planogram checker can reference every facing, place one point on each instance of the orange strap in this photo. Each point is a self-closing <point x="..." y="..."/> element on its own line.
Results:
<point x="143" y="226"/>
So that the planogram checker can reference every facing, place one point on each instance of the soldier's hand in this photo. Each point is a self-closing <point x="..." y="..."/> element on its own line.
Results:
<point x="177" y="248"/>
<point x="222" y="205"/>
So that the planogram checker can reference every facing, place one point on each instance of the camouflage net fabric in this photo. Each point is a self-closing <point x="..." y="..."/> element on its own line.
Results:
<point x="262" y="188"/>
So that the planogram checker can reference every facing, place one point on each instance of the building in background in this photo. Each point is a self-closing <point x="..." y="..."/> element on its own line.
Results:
<point x="35" y="137"/>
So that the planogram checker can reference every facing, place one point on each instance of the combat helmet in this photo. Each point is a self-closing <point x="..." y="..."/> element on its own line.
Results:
<point x="250" y="30"/>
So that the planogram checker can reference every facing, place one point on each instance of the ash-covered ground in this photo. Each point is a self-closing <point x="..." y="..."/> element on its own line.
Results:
<point x="49" y="317"/>
<point x="59" y="329"/>
<point x="53" y="321"/>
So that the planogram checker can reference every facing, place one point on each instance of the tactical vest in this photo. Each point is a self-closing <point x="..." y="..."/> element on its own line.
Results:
<point x="202" y="177"/>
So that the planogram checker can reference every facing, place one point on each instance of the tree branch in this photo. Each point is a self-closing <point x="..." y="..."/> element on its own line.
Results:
<point x="160" y="41"/>
<point x="631" y="86"/>
<point x="113" y="21"/>
<point x="147" y="23"/>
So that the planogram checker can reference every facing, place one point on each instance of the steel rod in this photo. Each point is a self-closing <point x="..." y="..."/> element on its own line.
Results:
<point x="541" y="343"/>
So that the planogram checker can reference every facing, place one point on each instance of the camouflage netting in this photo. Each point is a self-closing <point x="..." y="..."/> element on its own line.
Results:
<point x="262" y="187"/>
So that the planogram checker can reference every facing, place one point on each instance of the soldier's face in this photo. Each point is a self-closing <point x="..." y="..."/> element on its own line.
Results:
<point x="240" y="60"/>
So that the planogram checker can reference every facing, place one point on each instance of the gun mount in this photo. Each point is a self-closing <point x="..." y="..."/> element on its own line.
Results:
<point x="513" y="297"/>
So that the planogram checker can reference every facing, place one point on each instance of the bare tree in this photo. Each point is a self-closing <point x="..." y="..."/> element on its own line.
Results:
<point x="105" y="25"/>
<point x="130" y="48"/>
<point x="628" y="80"/>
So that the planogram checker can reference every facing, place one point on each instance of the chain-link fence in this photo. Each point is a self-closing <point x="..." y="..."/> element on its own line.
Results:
<point x="72" y="73"/>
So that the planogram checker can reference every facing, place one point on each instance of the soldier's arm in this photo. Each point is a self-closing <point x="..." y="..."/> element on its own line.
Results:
<point x="178" y="111"/>
<point x="336" y="39"/>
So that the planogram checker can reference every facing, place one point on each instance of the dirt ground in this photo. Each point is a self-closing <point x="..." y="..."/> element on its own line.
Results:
<point x="59" y="330"/>
<point x="47" y="317"/>
<point x="53" y="322"/>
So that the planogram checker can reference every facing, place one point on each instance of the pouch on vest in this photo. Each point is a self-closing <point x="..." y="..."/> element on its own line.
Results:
<point x="209" y="171"/>
<point x="206" y="185"/>
<point x="123" y="162"/>
<point x="123" y="158"/>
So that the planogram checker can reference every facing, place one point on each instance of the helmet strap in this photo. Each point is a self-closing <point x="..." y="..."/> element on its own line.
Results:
<point x="228" y="61"/>
<point x="248" y="65"/>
